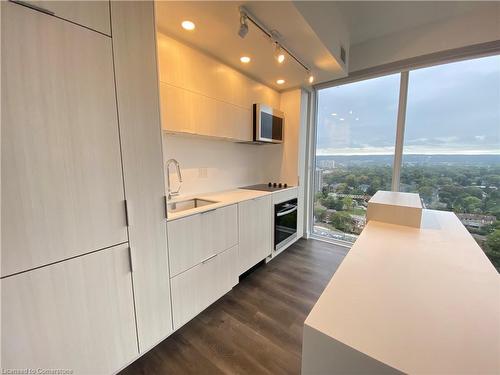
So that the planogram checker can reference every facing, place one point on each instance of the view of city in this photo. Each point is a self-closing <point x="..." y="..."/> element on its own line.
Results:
<point x="451" y="148"/>
<point x="466" y="185"/>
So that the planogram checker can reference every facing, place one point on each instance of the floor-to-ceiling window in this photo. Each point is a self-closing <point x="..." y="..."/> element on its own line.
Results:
<point x="354" y="152"/>
<point x="450" y="152"/>
<point x="452" y="144"/>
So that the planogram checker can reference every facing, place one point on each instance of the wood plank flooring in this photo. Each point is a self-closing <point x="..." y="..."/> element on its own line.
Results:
<point x="257" y="327"/>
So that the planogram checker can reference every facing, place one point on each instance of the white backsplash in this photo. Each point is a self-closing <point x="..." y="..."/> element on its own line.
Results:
<point x="209" y="165"/>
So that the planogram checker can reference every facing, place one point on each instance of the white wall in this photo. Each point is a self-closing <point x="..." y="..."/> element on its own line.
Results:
<point x="209" y="165"/>
<point x="471" y="28"/>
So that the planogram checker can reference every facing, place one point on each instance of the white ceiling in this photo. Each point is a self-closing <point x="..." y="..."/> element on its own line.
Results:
<point x="216" y="33"/>
<point x="313" y="30"/>
<point x="367" y="20"/>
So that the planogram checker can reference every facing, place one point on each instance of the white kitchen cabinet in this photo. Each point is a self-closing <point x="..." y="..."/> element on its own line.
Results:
<point x="76" y="315"/>
<point x="184" y="111"/>
<point x="255" y="231"/>
<point x="201" y="96"/>
<point x="197" y="288"/>
<point x="197" y="237"/>
<point x="91" y="14"/>
<point x="220" y="229"/>
<point x="138" y="108"/>
<point x="62" y="188"/>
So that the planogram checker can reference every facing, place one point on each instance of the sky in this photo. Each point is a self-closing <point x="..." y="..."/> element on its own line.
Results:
<point x="452" y="109"/>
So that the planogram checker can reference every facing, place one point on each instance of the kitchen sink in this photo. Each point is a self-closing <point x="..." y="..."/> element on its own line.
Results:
<point x="188" y="204"/>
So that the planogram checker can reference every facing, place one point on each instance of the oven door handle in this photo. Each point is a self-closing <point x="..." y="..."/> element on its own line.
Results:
<point x="283" y="213"/>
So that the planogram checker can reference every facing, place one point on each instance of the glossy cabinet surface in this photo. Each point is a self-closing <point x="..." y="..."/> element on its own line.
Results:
<point x="62" y="187"/>
<point x="76" y="315"/>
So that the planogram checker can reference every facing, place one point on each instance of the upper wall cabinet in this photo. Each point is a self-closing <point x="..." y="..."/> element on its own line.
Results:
<point x="62" y="188"/>
<point x="200" y="95"/>
<point x="91" y="14"/>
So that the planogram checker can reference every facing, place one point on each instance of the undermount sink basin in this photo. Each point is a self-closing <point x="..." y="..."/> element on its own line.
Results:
<point x="188" y="204"/>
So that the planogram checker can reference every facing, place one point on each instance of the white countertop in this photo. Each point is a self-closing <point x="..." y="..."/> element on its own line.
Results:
<point x="223" y="198"/>
<point x="421" y="300"/>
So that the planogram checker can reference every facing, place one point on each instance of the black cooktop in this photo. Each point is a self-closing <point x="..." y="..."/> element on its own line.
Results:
<point x="271" y="186"/>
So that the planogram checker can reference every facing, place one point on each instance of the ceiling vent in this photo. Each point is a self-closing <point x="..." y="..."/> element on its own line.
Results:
<point x="342" y="54"/>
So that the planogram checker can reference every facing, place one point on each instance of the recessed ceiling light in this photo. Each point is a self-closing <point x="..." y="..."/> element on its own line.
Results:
<point x="311" y="79"/>
<point x="280" y="81"/>
<point x="245" y="59"/>
<point x="334" y="114"/>
<point x="188" y="25"/>
<point x="341" y="119"/>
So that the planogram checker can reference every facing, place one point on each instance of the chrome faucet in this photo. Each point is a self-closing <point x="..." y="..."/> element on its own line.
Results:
<point x="178" y="168"/>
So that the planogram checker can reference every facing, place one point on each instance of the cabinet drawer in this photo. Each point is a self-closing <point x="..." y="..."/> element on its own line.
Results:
<point x="77" y="314"/>
<point x="195" y="238"/>
<point x="91" y="14"/>
<point x="200" y="286"/>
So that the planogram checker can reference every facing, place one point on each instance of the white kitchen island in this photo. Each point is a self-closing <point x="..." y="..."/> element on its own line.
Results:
<point x="410" y="300"/>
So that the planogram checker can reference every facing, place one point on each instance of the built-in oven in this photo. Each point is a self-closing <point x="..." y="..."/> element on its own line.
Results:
<point x="285" y="223"/>
<point x="267" y="124"/>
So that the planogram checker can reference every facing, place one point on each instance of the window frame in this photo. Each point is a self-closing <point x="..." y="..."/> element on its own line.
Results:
<point x="403" y="68"/>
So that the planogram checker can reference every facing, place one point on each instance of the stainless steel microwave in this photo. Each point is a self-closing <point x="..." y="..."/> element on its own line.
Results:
<point x="267" y="124"/>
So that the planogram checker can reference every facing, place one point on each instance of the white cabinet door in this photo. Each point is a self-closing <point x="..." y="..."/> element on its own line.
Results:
<point x="92" y="14"/>
<point x="62" y="187"/>
<point x="76" y="315"/>
<point x="200" y="286"/>
<point x="255" y="231"/>
<point x="185" y="243"/>
<point x="220" y="230"/>
<point x="184" y="111"/>
<point x="195" y="238"/>
<point x="134" y="50"/>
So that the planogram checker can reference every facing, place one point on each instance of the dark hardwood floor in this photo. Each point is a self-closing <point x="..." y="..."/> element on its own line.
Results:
<point x="257" y="327"/>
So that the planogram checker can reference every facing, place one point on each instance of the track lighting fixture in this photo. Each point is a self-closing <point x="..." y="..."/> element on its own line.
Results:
<point x="243" y="25"/>
<point x="274" y="36"/>
<point x="310" y="77"/>
<point x="278" y="53"/>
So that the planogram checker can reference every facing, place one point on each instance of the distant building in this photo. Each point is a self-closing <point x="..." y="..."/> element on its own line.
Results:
<point x="326" y="164"/>
<point x="318" y="180"/>
<point x="476" y="220"/>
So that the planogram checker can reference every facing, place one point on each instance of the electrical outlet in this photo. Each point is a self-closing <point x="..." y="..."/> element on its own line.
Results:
<point x="202" y="173"/>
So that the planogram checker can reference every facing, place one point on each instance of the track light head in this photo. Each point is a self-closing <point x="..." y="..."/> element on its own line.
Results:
<point x="278" y="53"/>
<point x="310" y="77"/>
<point x="243" y="31"/>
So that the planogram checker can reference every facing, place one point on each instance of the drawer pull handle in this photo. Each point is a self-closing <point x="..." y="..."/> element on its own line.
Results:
<point x="210" y="257"/>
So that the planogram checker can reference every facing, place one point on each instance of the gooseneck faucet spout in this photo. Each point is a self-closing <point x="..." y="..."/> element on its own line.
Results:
<point x="179" y="176"/>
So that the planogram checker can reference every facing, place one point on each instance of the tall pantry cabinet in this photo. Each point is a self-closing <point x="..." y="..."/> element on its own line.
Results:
<point x="84" y="275"/>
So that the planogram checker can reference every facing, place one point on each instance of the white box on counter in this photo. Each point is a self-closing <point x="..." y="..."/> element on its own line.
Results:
<point x="395" y="208"/>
